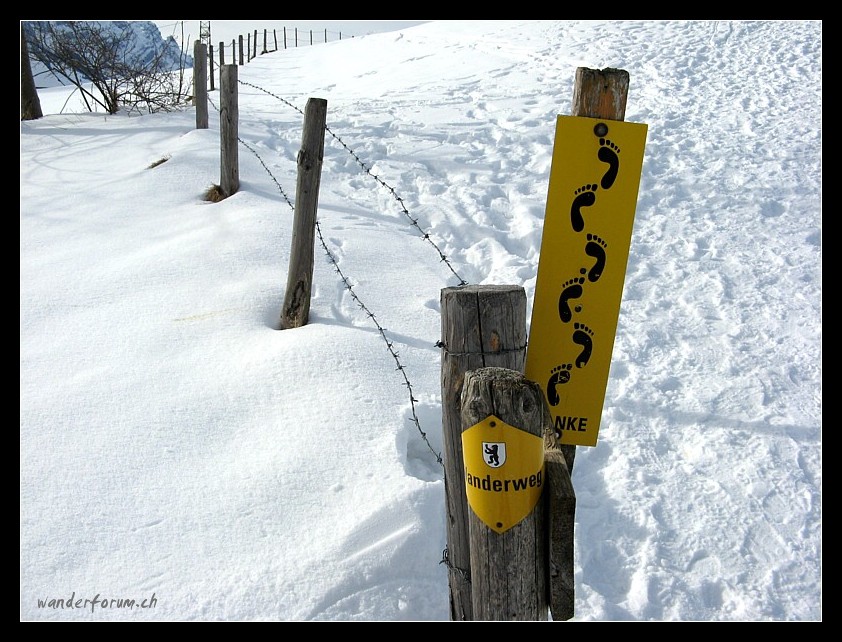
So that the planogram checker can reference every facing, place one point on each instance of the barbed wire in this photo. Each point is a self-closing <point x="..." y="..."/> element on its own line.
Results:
<point x="445" y="559"/>
<point x="390" y="346"/>
<point x="412" y="220"/>
<point x="268" y="171"/>
<point x="265" y="91"/>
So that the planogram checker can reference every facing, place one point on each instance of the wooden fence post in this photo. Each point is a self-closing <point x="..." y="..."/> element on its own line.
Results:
<point x="240" y="38"/>
<point x="600" y="93"/>
<point x="296" y="310"/>
<point x="210" y="62"/>
<point x="509" y="568"/>
<point x="597" y="93"/>
<point x="229" y="115"/>
<point x="560" y="500"/>
<point x="482" y="326"/>
<point x="200" y="84"/>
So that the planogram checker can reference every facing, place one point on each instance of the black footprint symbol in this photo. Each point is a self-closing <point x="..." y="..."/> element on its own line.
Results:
<point x="572" y="290"/>
<point x="596" y="248"/>
<point x="560" y="374"/>
<point x="584" y="337"/>
<point x="608" y="154"/>
<point x="585" y="198"/>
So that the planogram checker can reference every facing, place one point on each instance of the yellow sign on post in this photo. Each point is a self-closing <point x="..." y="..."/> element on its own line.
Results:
<point x="588" y="223"/>
<point x="504" y="472"/>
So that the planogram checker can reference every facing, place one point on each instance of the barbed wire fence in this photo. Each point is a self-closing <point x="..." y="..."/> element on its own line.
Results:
<point x="414" y="222"/>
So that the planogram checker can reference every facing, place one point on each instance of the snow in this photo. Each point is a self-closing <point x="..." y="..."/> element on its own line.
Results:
<point x="175" y="443"/>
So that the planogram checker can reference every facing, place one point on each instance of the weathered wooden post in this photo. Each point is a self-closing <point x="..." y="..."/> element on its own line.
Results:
<point x="296" y="310"/>
<point x="600" y="93"/>
<point x="560" y="501"/>
<point x="482" y="326"/>
<point x="221" y="59"/>
<point x="242" y="60"/>
<point x="229" y="115"/>
<point x="210" y="62"/>
<point x="504" y="420"/>
<point x="200" y="84"/>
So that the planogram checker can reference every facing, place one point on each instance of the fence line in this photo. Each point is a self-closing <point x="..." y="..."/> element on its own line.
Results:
<point x="545" y="554"/>
<point x="355" y="297"/>
<point x="250" y="41"/>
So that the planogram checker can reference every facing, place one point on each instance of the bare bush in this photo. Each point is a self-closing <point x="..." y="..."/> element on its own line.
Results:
<point x="106" y="63"/>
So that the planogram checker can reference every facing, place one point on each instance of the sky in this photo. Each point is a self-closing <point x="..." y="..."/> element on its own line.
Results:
<point x="180" y="450"/>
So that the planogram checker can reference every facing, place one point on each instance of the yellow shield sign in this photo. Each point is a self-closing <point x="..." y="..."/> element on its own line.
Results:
<point x="504" y="472"/>
<point x="588" y="224"/>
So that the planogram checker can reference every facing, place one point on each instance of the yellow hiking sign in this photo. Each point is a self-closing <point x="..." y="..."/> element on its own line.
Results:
<point x="591" y="204"/>
<point x="504" y="472"/>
